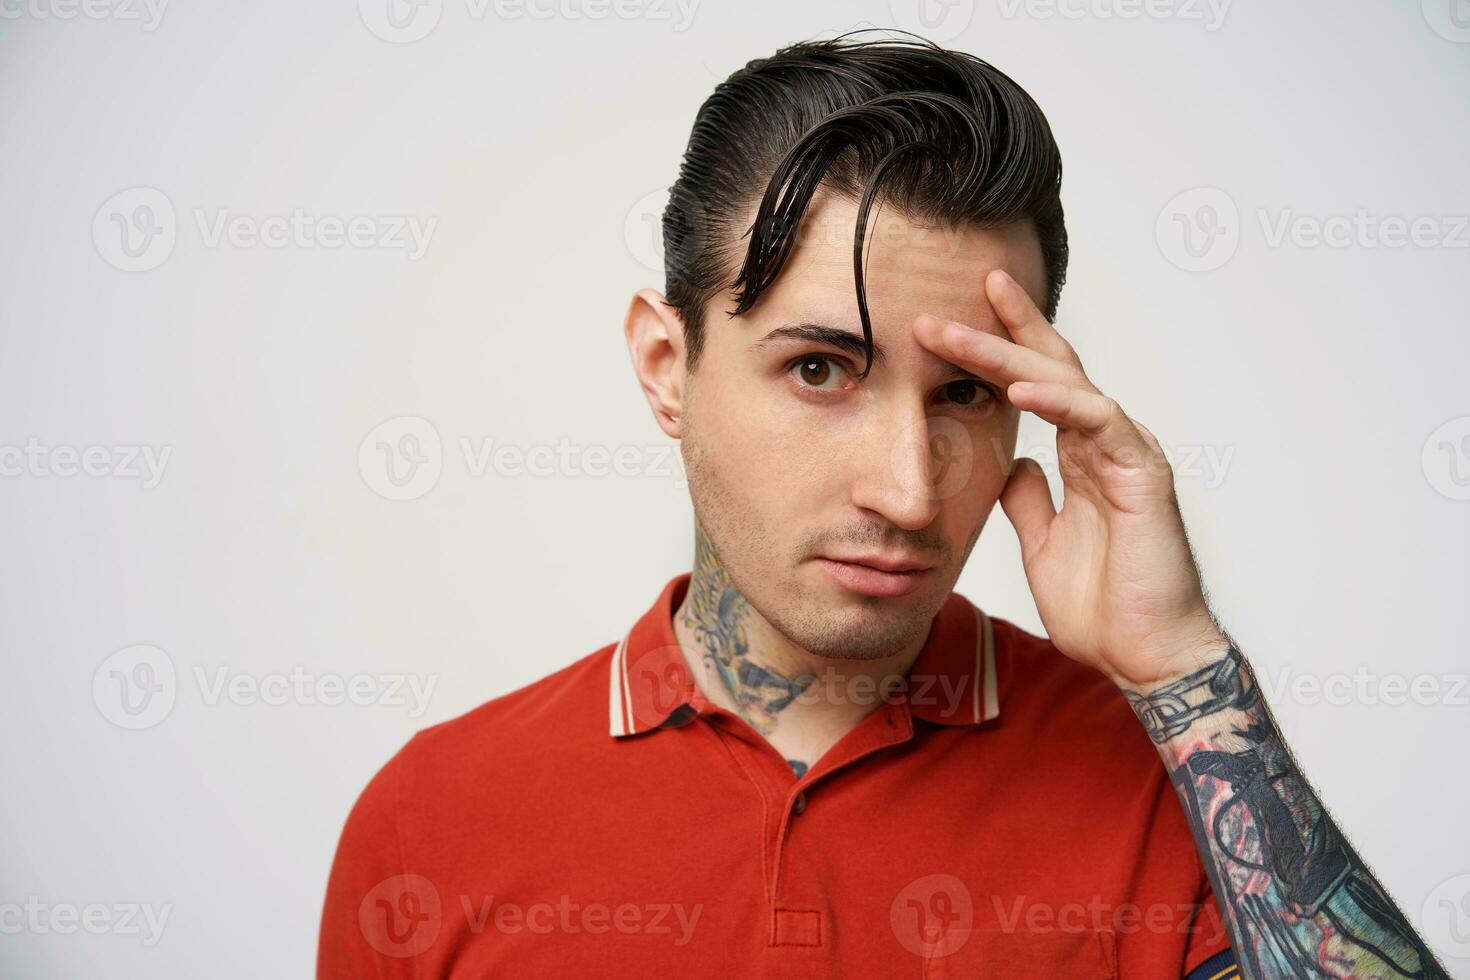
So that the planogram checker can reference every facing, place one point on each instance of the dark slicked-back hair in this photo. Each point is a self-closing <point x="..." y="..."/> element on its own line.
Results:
<point x="942" y="135"/>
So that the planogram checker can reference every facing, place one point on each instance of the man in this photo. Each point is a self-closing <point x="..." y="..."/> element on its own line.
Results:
<point x="810" y="757"/>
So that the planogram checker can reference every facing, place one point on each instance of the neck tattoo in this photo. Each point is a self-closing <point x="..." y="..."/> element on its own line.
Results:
<point x="716" y="612"/>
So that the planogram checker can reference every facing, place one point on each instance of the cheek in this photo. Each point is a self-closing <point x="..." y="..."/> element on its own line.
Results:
<point x="995" y="444"/>
<point x="964" y="513"/>
<point x="785" y="467"/>
<point x="971" y="459"/>
<point x="747" y="451"/>
<point x="774" y="438"/>
<point x="972" y="502"/>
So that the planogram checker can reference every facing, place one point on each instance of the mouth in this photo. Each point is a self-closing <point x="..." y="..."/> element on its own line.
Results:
<point x="873" y="575"/>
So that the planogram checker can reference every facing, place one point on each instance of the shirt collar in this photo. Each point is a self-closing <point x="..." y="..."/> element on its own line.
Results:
<point x="955" y="680"/>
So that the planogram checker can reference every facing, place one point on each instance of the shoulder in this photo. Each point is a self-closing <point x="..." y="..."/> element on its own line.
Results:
<point x="1057" y="700"/>
<point x="551" y="726"/>
<point x="563" y="713"/>
<point x="485" y="775"/>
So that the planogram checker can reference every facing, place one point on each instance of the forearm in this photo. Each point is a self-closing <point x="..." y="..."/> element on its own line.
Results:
<point x="1296" y="897"/>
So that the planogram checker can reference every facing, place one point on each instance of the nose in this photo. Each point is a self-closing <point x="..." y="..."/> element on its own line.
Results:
<point x="897" y="467"/>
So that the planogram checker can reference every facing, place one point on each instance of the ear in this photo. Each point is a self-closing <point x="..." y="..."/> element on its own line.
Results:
<point x="655" y="335"/>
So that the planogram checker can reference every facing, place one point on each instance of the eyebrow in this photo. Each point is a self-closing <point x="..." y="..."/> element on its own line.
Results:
<point x="821" y="333"/>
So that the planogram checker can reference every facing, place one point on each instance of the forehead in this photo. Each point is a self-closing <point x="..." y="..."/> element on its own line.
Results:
<point x="910" y="267"/>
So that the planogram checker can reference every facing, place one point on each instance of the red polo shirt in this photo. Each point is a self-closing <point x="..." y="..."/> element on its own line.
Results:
<point x="1004" y="815"/>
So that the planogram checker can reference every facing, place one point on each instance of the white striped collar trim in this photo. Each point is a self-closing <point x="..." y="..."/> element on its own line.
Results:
<point x="619" y="718"/>
<point x="987" y="694"/>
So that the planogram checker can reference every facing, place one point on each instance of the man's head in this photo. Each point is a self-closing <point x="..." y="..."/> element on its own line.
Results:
<point x="812" y="423"/>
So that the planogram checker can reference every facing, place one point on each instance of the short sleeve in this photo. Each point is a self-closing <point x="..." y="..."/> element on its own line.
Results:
<point x="373" y="919"/>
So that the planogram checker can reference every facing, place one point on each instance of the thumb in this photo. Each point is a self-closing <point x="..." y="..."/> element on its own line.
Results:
<point x="1026" y="501"/>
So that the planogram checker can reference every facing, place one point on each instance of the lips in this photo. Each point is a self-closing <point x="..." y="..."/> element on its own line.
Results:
<point x="895" y="577"/>
<point x="884" y="563"/>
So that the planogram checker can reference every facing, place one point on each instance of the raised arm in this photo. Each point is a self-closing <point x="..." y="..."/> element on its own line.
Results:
<point x="1117" y="588"/>
<point x="1298" y="900"/>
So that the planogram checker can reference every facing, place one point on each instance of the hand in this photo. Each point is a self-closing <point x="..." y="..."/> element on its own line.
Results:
<point x="1115" y="582"/>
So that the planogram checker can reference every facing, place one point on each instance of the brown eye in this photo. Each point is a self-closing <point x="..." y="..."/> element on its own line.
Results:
<point x="815" y="371"/>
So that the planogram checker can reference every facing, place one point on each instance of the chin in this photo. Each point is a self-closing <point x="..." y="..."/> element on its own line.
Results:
<point x="836" y="624"/>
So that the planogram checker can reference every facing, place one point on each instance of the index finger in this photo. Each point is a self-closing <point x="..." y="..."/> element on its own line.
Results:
<point x="1024" y="321"/>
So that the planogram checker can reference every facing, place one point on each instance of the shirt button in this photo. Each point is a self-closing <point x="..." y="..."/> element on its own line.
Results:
<point x="800" y="803"/>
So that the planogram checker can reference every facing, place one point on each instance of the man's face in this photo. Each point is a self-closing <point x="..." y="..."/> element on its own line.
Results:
<point x="793" y="461"/>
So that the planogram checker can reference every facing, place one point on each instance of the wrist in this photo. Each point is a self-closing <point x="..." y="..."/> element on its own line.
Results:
<point x="1176" y="653"/>
<point x="1214" y="693"/>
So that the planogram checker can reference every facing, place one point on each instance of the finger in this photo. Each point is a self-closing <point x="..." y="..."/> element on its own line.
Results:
<point x="1024" y="321"/>
<point x="1026" y="501"/>
<point x="988" y="355"/>
<point x="1091" y="413"/>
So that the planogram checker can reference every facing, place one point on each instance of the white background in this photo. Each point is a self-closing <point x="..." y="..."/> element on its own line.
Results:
<point x="1331" y="524"/>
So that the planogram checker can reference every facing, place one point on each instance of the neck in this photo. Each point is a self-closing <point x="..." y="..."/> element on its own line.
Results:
<point x="801" y="702"/>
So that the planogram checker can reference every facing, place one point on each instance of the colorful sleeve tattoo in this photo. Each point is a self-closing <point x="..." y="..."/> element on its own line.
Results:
<point x="1298" y="900"/>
